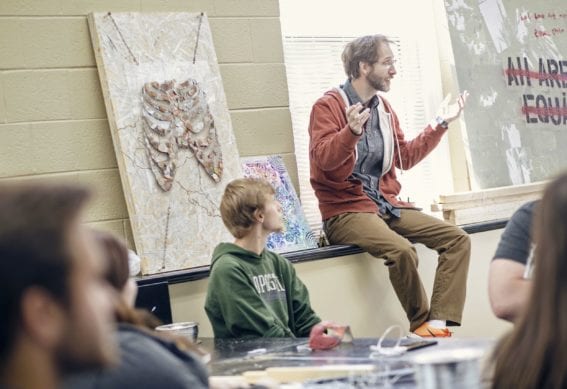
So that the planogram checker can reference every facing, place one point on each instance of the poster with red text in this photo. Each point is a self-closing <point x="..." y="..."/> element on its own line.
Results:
<point x="511" y="55"/>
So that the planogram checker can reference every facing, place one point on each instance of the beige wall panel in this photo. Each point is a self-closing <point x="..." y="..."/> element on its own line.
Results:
<point x="65" y="7"/>
<point x="188" y="304"/>
<point x="206" y="6"/>
<point x="247" y="40"/>
<point x="83" y="7"/>
<point x="50" y="147"/>
<point x="263" y="131"/>
<point x="11" y="45"/>
<point x="255" y="85"/>
<point x="113" y="226"/>
<point x="34" y="95"/>
<point x="247" y="8"/>
<point x="29" y="7"/>
<point x="267" y="40"/>
<point x="2" y="100"/>
<point x="108" y="200"/>
<point x="50" y="42"/>
<point x="232" y="39"/>
<point x="63" y="178"/>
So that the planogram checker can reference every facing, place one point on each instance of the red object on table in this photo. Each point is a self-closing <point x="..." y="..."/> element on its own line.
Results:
<point x="326" y="335"/>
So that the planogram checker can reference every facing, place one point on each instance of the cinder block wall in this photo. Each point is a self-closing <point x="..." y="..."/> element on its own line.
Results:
<point x="53" y="121"/>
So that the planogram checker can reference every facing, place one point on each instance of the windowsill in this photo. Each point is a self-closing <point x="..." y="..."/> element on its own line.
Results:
<point x="480" y="206"/>
<point x="315" y="254"/>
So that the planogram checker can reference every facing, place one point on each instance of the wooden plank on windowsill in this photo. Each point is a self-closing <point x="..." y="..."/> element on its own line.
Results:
<point x="486" y="205"/>
<point x="480" y="196"/>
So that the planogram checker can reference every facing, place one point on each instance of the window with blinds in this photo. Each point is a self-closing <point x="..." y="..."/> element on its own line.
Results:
<point x="313" y="65"/>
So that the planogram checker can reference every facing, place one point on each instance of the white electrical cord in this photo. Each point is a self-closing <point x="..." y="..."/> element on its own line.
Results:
<point x="393" y="351"/>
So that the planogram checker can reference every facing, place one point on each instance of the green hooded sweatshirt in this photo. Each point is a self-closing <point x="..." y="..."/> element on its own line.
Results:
<point x="252" y="295"/>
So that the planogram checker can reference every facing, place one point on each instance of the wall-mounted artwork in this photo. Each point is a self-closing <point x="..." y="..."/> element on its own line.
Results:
<point x="297" y="234"/>
<point x="171" y="130"/>
<point x="511" y="55"/>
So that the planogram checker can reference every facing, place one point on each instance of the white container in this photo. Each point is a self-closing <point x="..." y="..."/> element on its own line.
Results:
<point x="188" y="329"/>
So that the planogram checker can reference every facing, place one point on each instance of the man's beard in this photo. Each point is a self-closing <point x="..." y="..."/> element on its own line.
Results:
<point x="378" y="83"/>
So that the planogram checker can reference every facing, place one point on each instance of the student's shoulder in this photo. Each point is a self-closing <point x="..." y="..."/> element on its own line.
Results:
<point x="529" y="207"/>
<point x="157" y="361"/>
<point x="524" y="214"/>
<point x="331" y="97"/>
<point x="226" y="261"/>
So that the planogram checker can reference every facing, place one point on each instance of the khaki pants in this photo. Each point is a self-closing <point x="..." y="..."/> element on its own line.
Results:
<point x="390" y="238"/>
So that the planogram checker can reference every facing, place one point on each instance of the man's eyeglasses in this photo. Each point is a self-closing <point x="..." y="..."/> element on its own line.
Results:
<point x="388" y="63"/>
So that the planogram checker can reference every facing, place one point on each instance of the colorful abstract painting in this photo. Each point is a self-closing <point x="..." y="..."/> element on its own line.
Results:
<point x="297" y="234"/>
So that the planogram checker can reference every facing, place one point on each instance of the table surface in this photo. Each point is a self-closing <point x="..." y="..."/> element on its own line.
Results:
<point x="236" y="356"/>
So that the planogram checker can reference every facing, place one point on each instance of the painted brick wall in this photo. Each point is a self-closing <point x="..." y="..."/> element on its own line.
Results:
<point x="52" y="117"/>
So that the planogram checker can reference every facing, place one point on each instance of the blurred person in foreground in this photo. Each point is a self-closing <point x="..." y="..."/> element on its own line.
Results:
<point x="56" y="306"/>
<point x="509" y="277"/>
<point x="534" y="353"/>
<point x="149" y="359"/>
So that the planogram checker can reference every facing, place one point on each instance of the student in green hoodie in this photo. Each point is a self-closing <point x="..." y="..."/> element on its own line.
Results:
<point x="252" y="291"/>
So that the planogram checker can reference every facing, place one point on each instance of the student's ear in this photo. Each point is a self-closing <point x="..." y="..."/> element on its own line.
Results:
<point x="43" y="317"/>
<point x="259" y="216"/>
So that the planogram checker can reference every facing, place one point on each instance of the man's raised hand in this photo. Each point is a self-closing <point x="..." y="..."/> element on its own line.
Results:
<point x="450" y="112"/>
<point x="357" y="116"/>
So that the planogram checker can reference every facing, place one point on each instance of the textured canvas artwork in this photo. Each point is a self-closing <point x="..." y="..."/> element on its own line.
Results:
<point x="297" y="234"/>
<point x="171" y="131"/>
<point x="176" y="115"/>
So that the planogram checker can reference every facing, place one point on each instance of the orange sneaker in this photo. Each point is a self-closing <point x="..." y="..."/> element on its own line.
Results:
<point x="426" y="331"/>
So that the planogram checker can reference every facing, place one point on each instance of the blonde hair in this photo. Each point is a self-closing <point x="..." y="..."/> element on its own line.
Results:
<point x="241" y="201"/>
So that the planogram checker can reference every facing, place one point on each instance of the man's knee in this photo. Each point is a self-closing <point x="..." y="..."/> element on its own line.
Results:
<point x="400" y="255"/>
<point x="460" y="249"/>
<point x="463" y="240"/>
<point x="459" y="239"/>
